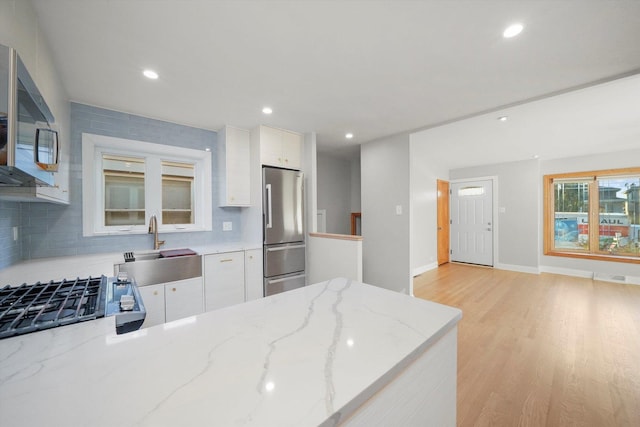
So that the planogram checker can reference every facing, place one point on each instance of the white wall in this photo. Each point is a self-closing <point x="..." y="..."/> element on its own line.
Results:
<point x="334" y="192"/>
<point x="310" y="169"/>
<point x="427" y="166"/>
<point x="612" y="160"/>
<point x="356" y="187"/>
<point x="386" y="238"/>
<point x="518" y="195"/>
<point x="331" y="257"/>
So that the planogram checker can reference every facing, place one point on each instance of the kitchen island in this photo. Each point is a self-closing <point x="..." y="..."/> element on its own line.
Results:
<point x="333" y="353"/>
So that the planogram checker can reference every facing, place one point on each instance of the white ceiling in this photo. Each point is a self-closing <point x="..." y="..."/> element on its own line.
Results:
<point x="597" y="119"/>
<point x="374" y="68"/>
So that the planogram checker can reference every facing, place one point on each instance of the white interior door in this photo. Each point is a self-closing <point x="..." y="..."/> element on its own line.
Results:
<point x="472" y="222"/>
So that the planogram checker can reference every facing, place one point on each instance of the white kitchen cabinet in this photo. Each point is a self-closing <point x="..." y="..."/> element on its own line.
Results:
<point x="170" y="301"/>
<point x="279" y="147"/>
<point x="234" y="155"/>
<point x="183" y="298"/>
<point x="292" y="149"/>
<point x="253" y="276"/>
<point x="223" y="279"/>
<point x="153" y="299"/>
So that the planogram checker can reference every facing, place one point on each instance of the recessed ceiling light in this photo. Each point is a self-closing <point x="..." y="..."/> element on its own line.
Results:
<point x="150" y="74"/>
<point x="503" y="118"/>
<point x="348" y="135"/>
<point x="267" y="110"/>
<point x="535" y="156"/>
<point x="512" y="31"/>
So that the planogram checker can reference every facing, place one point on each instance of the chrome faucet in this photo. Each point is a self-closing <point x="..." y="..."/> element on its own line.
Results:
<point x="153" y="228"/>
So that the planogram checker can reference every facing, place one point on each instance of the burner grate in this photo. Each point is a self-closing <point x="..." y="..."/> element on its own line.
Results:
<point x="29" y="308"/>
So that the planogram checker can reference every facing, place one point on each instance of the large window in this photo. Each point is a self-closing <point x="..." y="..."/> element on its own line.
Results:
<point x="126" y="182"/>
<point x="593" y="215"/>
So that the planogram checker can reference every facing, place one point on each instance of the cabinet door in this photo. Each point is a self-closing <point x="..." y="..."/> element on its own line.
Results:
<point x="224" y="280"/>
<point x="235" y="152"/>
<point x="153" y="300"/>
<point x="253" y="274"/>
<point x="291" y="150"/>
<point x="271" y="146"/>
<point x="183" y="298"/>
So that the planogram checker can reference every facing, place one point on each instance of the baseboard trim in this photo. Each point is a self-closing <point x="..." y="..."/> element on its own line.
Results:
<point x="518" y="268"/>
<point x="424" y="268"/>
<point x="566" y="271"/>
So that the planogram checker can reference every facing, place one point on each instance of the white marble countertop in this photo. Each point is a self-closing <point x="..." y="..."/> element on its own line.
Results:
<point x="67" y="267"/>
<point x="306" y="357"/>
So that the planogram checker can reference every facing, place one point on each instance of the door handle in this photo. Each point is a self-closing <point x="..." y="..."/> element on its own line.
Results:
<point x="284" y="279"/>
<point x="284" y="248"/>
<point x="268" y="197"/>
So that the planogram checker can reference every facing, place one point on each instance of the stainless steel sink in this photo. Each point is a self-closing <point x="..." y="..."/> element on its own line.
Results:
<point x="145" y="256"/>
<point x="150" y="268"/>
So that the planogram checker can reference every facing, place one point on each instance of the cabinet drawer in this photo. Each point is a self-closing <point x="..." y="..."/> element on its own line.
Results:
<point x="283" y="259"/>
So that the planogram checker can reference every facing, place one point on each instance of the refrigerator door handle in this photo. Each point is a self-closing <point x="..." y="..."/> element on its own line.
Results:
<point x="268" y="197"/>
<point x="284" y="279"/>
<point x="284" y="248"/>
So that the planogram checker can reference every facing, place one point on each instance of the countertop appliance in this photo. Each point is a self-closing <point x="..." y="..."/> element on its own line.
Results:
<point x="31" y="308"/>
<point x="29" y="147"/>
<point x="283" y="229"/>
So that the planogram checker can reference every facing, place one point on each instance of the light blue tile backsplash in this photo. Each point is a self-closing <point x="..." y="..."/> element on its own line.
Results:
<point x="48" y="229"/>
<point x="9" y="218"/>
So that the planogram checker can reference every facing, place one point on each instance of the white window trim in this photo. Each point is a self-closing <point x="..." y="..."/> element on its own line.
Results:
<point x="93" y="189"/>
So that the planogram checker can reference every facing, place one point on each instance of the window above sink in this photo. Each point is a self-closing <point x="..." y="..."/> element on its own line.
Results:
<point x="125" y="182"/>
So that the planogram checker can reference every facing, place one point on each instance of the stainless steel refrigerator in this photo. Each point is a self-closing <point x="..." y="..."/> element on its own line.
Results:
<point x="283" y="229"/>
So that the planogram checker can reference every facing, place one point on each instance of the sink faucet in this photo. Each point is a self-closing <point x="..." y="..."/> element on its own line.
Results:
<point x="153" y="228"/>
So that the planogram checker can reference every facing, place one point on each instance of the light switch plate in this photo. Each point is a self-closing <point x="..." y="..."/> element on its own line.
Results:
<point x="227" y="226"/>
<point x="398" y="209"/>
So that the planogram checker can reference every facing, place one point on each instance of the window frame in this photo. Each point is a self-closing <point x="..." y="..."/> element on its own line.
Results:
<point x="593" y="214"/>
<point x="93" y="148"/>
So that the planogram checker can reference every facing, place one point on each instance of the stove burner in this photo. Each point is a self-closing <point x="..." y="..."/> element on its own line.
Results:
<point x="53" y="315"/>
<point x="28" y="308"/>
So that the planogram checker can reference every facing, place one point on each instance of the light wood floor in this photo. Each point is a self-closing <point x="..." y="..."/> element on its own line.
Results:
<point x="541" y="350"/>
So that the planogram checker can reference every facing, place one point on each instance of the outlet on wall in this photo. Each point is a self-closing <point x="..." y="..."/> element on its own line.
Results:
<point x="227" y="226"/>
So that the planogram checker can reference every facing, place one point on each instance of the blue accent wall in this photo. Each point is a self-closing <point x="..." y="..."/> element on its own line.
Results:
<point x="48" y="230"/>
<point x="9" y="218"/>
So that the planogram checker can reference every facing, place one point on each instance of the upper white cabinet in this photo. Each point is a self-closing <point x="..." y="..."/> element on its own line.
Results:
<point x="234" y="156"/>
<point x="279" y="147"/>
<point x="223" y="279"/>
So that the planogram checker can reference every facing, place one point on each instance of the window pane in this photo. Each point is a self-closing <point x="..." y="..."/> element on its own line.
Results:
<point x="571" y="227"/>
<point x="177" y="193"/>
<point x="618" y="231"/>
<point x="470" y="191"/>
<point x="123" y="191"/>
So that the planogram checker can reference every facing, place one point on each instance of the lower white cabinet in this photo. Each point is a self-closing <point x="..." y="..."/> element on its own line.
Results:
<point x="223" y="279"/>
<point x="253" y="276"/>
<point x="183" y="299"/>
<point x="166" y="302"/>
<point x="153" y="300"/>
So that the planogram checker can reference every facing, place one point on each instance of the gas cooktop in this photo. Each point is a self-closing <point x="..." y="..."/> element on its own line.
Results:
<point x="30" y="308"/>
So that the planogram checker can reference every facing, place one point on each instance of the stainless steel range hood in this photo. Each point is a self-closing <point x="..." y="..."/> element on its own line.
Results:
<point x="29" y="148"/>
